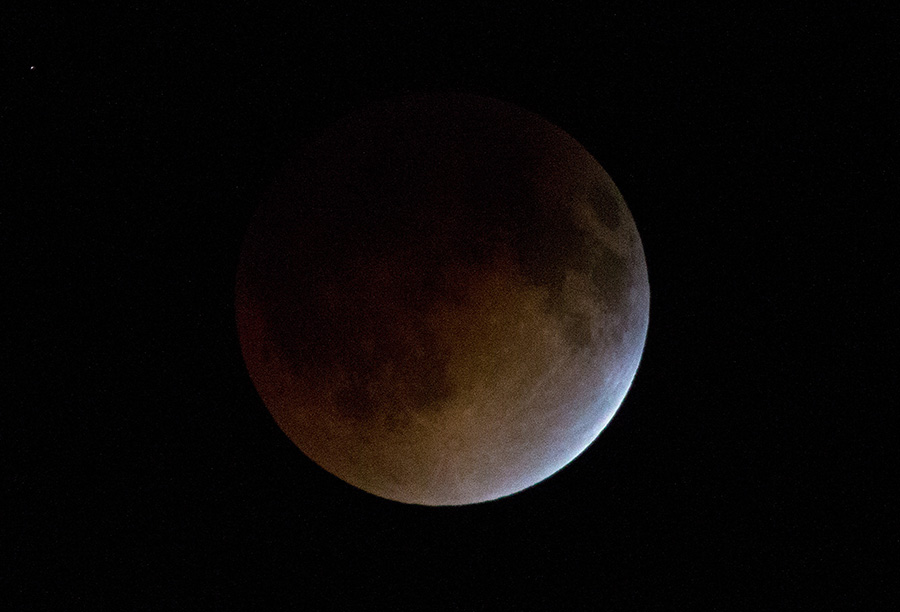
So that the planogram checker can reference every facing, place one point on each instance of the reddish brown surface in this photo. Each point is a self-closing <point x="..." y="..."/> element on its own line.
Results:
<point x="444" y="301"/>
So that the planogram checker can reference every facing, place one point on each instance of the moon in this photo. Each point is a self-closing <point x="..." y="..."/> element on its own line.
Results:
<point x="443" y="300"/>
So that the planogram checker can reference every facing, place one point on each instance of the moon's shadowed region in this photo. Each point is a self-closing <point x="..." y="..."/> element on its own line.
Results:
<point x="443" y="300"/>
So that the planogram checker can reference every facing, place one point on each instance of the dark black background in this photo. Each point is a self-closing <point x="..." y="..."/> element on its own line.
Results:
<point x="746" y="468"/>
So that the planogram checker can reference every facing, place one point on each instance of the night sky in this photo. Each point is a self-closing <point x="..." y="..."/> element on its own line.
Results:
<point x="746" y="468"/>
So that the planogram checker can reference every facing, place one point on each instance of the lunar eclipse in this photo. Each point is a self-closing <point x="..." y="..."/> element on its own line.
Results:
<point x="443" y="300"/>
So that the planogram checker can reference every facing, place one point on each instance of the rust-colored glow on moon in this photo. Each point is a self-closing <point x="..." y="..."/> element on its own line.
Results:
<point x="444" y="300"/>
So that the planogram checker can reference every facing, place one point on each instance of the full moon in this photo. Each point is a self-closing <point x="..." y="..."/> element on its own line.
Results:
<point x="443" y="300"/>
